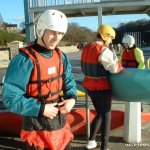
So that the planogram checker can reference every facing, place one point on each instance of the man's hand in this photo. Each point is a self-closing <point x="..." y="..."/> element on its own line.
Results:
<point x="50" y="110"/>
<point x="66" y="106"/>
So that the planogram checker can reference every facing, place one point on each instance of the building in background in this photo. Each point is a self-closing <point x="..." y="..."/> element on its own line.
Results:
<point x="9" y="27"/>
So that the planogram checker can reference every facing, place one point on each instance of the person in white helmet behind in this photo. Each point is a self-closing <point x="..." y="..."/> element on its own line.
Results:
<point x="33" y="88"/>
<point x="132" y="56"/>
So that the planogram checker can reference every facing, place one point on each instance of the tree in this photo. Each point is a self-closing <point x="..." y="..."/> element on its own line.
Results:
<point x="77" y="34"/>
<point x="6" y="37"/>
<point x="1" y="20"/>
<point x="142" y="26"/>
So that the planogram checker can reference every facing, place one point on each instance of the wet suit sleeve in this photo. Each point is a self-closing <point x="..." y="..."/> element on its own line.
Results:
<point x="69" y="84"/>
<point x="140" y="58"/>
<point x="107" y="60"/>
<point x="16" y="79"/>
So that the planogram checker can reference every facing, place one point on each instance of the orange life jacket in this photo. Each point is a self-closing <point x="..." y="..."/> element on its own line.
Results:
<point x="96" y="77"/>
<point x="128" y="59"/>
<point x="46" y="78"/>
<point x="45" y="84"/>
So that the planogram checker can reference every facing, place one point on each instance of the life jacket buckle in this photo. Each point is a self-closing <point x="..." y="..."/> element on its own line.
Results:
<point x="49" y="80"/>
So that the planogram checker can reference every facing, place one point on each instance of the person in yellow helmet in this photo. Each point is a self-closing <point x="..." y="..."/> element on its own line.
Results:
<point x="97" y="62"/>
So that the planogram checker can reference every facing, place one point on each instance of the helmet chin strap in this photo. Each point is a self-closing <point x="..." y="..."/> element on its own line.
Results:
<point x="126" y="46"/>
<point x="42" y="38"/>
<point x="103" y="41"/>
<point x="106" y="43"/>
<point x="44" y="41"/>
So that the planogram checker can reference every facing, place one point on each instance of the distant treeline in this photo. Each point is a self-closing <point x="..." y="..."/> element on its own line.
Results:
<point x="142" y="26"/>
<point x="76" y="33"/>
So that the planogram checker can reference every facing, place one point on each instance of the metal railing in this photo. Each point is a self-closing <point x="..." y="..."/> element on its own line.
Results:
<point x="42" y="3"/>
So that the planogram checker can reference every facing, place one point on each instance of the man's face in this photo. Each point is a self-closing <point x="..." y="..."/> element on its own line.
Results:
<point x="125" y="45"/>
<point x="52" y="38"/>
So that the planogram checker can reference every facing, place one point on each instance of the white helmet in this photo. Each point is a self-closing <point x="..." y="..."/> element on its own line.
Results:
<point x="128" y="39"/>
<point x="51" y="20"/>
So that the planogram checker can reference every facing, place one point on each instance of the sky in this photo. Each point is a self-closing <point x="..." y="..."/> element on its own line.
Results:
<point x="12" y="11"/>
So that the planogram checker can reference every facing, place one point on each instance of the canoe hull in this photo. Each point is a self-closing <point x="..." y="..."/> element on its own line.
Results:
<point x="12" y="123"/>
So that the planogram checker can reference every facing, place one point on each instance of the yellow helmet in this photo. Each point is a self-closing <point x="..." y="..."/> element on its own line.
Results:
<point x="106" y="32"/>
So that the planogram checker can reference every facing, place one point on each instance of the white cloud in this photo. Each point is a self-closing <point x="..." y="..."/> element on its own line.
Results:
<point x="19" y="19"/>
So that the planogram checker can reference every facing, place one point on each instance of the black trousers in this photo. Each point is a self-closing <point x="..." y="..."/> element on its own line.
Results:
<point x="28" y="147"/>
<point x="102" y="103"/>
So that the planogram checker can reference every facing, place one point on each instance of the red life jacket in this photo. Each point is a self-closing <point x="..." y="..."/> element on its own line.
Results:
<point x="96" y="77"/>
<point x="128" y="59"/>
<point x="46" y="78"/>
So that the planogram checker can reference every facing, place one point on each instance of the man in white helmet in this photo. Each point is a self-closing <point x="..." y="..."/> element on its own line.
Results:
<point x="33" y="82"/>
<point x="132" y="56"/>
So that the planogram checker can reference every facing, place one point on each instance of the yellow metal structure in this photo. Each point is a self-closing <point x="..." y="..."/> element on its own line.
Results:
<point x="79" y="93"/>
<point x="148" y="63"/>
